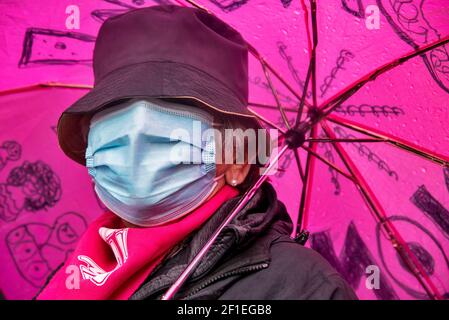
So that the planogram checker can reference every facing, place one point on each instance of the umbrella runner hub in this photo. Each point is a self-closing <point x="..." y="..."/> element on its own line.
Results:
<point x="295" y="138"/>
<point x="315" y="114"/>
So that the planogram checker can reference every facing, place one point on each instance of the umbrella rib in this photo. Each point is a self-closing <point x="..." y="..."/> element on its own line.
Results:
<point x="298" y="164"/>
<point x="306" y="23"/>
<point x="382" y="137"/>
<point x="268" y="122"/>
<point x="312" y="67"/>
<point x="328" y="106"/>
<point x="44" y="85"/>
<point x="304" y="93"/>
<point x="297" y="158"/>
<point x="345" y="140"/>
<point x="392" y="140"/>
<point x="257" y="55"/>
<point x="273" y="91"/>
<point x="268" y="106"/>
<point x="374" y="205"/>
<point x="302" y="219"/>
<point x="329" y="163"/>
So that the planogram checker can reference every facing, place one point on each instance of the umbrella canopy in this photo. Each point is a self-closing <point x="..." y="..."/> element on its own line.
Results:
<point x="373" y="183"/>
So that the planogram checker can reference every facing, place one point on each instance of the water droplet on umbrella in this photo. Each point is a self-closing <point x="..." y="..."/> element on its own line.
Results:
<point x="60" y="45"/>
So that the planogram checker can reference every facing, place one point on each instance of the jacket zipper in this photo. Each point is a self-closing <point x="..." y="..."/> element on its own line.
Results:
<point x="243" y="270"/>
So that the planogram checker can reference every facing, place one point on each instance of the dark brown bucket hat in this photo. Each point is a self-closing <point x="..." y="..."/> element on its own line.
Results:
<point x="163" y="51"/>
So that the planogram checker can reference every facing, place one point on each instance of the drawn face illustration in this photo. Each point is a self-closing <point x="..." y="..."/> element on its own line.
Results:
<point x="68" y="229"/>
<point x="9" y="151"/>
<point x="38" y="248"/>
<point x="31" y="187"/>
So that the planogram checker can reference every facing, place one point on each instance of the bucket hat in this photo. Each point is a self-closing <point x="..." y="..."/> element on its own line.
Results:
<point x="162" y="51"/>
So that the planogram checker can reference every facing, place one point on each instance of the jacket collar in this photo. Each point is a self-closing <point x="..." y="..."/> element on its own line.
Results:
<point x="264" y="219"/>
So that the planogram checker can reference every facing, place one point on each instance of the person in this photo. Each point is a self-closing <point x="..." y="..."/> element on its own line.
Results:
<point x="164" y="76"/>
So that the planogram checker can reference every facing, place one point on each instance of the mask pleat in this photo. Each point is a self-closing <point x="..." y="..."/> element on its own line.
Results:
<point x="149" y="161"/>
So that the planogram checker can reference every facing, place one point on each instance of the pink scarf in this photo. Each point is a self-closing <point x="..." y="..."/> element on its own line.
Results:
<point x="111" y="262"/>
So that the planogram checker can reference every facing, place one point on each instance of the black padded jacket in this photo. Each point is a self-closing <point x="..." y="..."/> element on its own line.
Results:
<point x="253" y="258"/>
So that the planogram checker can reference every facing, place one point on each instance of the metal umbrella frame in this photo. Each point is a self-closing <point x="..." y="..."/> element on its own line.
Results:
<point x="303" y="133"/>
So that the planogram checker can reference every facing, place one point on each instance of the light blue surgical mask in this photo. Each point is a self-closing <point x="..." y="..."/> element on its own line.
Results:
<point x="150" y="160"/>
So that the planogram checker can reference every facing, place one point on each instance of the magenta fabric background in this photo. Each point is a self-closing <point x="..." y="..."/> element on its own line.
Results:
<point x="46" y="201"/>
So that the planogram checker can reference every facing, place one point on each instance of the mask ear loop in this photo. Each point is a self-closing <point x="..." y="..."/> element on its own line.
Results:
<point x="215" y="180"/>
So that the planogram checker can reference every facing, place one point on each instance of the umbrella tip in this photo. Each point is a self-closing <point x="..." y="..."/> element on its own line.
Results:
<point x="295" y="138"/>
<point x="302" y="237"/>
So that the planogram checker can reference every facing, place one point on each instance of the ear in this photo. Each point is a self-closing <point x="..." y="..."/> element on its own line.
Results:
<point x="235" y="174"/>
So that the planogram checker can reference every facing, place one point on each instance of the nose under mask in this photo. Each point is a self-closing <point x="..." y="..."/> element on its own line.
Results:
<point x="152" y="161"/>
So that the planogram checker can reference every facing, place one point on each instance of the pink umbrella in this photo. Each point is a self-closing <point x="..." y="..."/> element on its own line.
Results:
<point x="373" y="183"/>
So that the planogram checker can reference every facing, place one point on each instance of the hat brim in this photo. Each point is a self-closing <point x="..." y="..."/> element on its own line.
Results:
<point x="168" y="80"/>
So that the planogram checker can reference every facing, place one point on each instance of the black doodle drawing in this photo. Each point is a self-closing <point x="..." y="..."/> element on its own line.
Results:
<point x="61" y="47"/>
<point x="439" y="216"/>
<point x="343" y="57"/>
<point x="38" y="248"/>
<point x="54" y="47"/>
<point x="32" y="186"/>
<point x="282" y="47"/>
<point x="408" y="20"/>
<point x="425" y="258"/>
<point x="364" y="151"/>
<point x="354" y="7"/>
<point x="9" y="151"/>
<point x="334" y="173"/>
<point x="286" y="3"/>
<point x="284" y="98"/>
<point x="131" y="4"/>
<point x="101" y="15"/>
<point x="134" y="4"/>
<point x="365" y="109"/>
<point x="353" y="260"/>
<point x="284" y="165"/>
<point x="229" y="5"/>
<point x="432" y="208"/>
